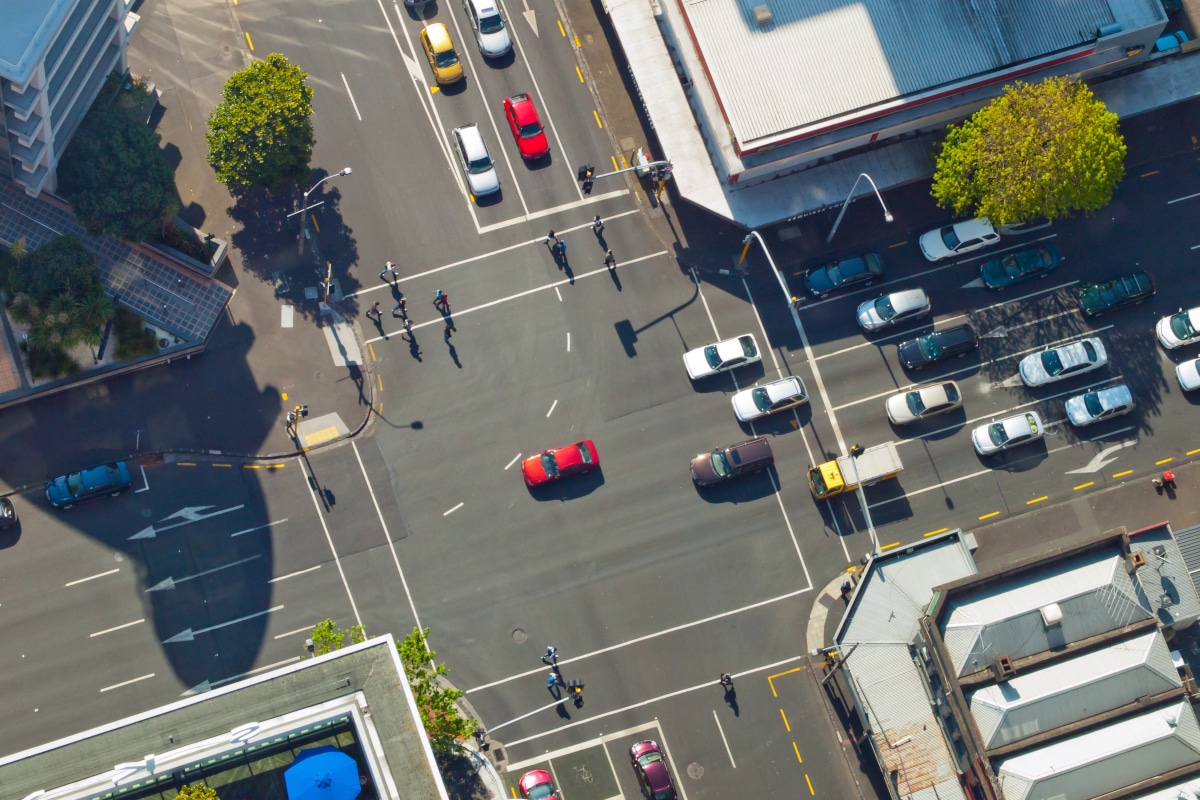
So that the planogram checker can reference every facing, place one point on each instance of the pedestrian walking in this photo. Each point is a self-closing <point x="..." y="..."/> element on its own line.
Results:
<point x="408" y="328"/>
<point x="609" y="259"/>
<point x="598" y="225"/>
<point x="550" y="237"/>
<point x="401" y="306"/>
<point x="726" y="680"/>
<point x="374" y="311"/>
<point x="389" y="268"/>
<point x="553" y="680"/>
<point x="291" y="421"/>
<point x="560" y="248"/>
<point x="442" y="301"/>
<point x="551" y="655"/>
<point x="446" y="335"/>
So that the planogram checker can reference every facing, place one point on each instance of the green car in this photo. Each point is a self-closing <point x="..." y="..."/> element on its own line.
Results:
<point x="1100" y="298"/>
<point x="1023" y="265"/>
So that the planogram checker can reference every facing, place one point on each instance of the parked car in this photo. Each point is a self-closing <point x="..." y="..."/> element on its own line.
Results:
<point x="759" y="401"/>
<point x="957" y="239"/>
<point x="1062" y="362"/>
<point x="1099" y="405"/>
<point x="922" y="402"/>
<point x="721" y="357"/>
<point x="651" y="769"/>
<point x="723" y="463"/>
<point x="526" y="127"/>
<point x="1188" y="375"/>
<point x="848" y="272"/>
<point x="488" y="24"/>
<point x="88" y="484"/>
<point x="475" y="160"/>
<point x="1023" y="265"/>
<point x="1100" y="298"/>
<point x="953" y="342"/>
<point x="8" y="514"/>
<point x="890" y="309"/>
<point x="560" y="462"/>
<point x="537" y="785"/>
<point x="440" y="52"/>
<point x="1009" y="432"/>
<point x="1179" y="329"/>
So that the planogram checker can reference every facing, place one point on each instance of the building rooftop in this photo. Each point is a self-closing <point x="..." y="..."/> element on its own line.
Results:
<point x="28" y="27"/>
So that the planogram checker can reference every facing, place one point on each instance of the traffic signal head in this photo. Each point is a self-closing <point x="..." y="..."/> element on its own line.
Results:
<point x="587" y="185"/>
<point x="585" y="172"/>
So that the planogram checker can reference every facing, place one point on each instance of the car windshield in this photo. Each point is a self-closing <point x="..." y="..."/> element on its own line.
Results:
<point x="1089" y="350"/>
<point x="479" y="165"/>
<point x="541" y="791"/>
<point x="531" y="129"/>
<point x="884" y="308"/>
<point x="712" y="356"/>
<point x="1012" y="268"/>
<point x="549" y="465"/>
<point x="997" y="433"/>
<point x="929" y="346"/>
<point x="762" y="399"/>
<point x="834" y="273"/>
<point x="747" y="346"/>
<point x="818" y="482"/>
<point x="1181" y="326"/>
<point x="1091" y="401"/>
<point x="1051" y="362"/>
<point x="491" y="24"/>
<point x="75" y="483"/>
<point x="951" y="392"/>
<point x="446" y="58"/>
<point x="915" y="404"/>
<point x="720" y="463"/>
<point x="950" y="238"/>
<point x="645" y="759"/>
<point x="585" y="454"/>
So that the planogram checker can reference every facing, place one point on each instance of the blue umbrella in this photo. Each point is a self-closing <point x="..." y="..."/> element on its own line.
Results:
<point x="322" y="773"/>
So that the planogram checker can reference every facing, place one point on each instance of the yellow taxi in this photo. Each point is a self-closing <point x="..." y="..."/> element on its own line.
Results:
<point x="439" y="49"/>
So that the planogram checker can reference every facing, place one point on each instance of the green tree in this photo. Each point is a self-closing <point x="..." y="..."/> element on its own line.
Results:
<point x="1041" y="150"/>
<point x="61" y="266"/>
<point x="327" y="636"/>
<point x="260" y="135"/>
<point x="197" y="791"/>
<point x="444" y="726"/>
<point x="115" y="177"/>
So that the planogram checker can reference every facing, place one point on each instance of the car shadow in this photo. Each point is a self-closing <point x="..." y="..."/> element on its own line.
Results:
<point x="780" y="423"/>
<point x="569" y="488"/>
<point x="537" y="164"/>
<point x="502" y="62"/>
<point x="747" y="376"/>
<point x="1020" y="459"/>
<point x="488" y="200"/>
<point x="943" y="426"/>
<point x="11" y="535"/>
<point x="954" y="368"/>
<point x="886" y="499"/>
<point x="453" y="89"/>
<point x="754" y="486"/>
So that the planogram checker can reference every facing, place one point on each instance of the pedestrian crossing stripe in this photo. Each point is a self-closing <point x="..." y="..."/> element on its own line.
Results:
<point x="321" y="436"/>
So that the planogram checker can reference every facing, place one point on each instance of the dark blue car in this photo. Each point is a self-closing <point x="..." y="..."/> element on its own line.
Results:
<point x="1023" y="265"/>
<point x="843" y="274"/>
<point x="106" y="479"/>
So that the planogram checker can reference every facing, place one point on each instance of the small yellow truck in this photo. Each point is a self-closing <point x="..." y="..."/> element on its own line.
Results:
<point x="862" y="467"/>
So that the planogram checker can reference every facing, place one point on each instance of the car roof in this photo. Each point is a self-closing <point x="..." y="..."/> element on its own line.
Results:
<point x="752" y="450"/>
<point x="1076" y="353"/>
<point x="1117" y="395"/>
<point x="971" y="228"/>
<point x="472" y="141"/>
<point x="485" y="8"/>
<point x="908" y="299"/>
<point x="937" y="391"/>
<point x="1017" y="425"/>
<point x="439" y="35"/>
<point x="959" y="333"/>
<point x="786" y="387"/>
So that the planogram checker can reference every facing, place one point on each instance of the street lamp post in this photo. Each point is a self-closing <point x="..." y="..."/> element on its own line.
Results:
<point x="887" y="215"/>
<point x="304" y="206"/>
<point x="862" y="499"/>
<point x="787" y="293"/>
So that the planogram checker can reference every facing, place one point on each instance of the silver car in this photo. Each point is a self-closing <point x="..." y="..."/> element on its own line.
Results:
<point x="1062" y="362"/>
<point x="922" y="402"/>
<point x="488" y="25"/>
<point x="1100" y="405"/>
<point x="475" y="160"/>
<point x="759" y="401"/>
<point x="1008" y="432"/>
<point x="889" y="309"/>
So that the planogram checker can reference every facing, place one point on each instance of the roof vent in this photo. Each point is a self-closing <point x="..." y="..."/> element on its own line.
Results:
<point x="1110" y="29"/>
<point x="762" y="14"/>
<point x="1051" y="614"/>
<point x="1003" y="668"/>
<point x="1134" y="560"/>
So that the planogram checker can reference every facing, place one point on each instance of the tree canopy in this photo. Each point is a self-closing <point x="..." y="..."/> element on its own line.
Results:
<point x="439" y="714"/>
<point x="1039" y="151"/>
<point x="260" y="135"/>
<point x="115" y="177"/>
<point x="327" y="636"/>
<point x="60" y="266"/>
<point x="197" y="791"/>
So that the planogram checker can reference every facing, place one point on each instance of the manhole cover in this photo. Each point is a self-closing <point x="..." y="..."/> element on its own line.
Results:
<point x="519" y="635"/>
<point x="695" y="770"/>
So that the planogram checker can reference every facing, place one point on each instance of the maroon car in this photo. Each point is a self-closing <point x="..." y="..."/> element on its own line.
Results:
<point x="651" y="769"/>
<point x="724" y="463"/>
<point x="538" y="785"/>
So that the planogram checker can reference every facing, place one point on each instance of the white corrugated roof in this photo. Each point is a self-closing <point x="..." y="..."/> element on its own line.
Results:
<point x="1105" y="759"/>
<point x="1093" y="590"/>
<point x="821" y="59"/>
<point x="1073" y="690"/>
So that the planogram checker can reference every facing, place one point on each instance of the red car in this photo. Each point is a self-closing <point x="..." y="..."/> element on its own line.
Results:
<point x="537" y="785"/>
<point x="550" y="465"/>
<point x="651" y="770"/>
<point x="526" y="127"/>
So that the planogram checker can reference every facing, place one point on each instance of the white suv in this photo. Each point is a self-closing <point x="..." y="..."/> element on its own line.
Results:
<point x="488" y="24"/>
<point x="961" y="237"/>
<point x="475" y="161"/>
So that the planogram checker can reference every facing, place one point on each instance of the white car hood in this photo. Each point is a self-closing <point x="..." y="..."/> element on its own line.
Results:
<point x="744" y="407"/>
<point x="1188" y="375"/>
<point x="1032" y="370"/>
<point x="495" y="44"/>
<point x="1077" y="412"/>
<point x="867" y="316"/>
<point x="932" y="245"/>
<point x="983" y="442"/>
<point x="483" y="182"/>
<point x="898" y="410"/>
<point x="1165" y="334"/>
<point x="696" y="363"/>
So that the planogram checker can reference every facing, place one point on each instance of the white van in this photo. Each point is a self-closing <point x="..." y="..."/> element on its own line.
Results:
<point x="488" y="24"/>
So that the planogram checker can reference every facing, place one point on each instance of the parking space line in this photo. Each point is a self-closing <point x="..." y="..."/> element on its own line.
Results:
<point x="295" y="574"/>
<point x="721" y="730"/>
<point x="350" y="94"/>
<point x="310" y="482"/>
<point x="145" y="483"/>
<point x="546" y="212"/>
<point x="305" y="629"/>
<point x="92" y="577"/>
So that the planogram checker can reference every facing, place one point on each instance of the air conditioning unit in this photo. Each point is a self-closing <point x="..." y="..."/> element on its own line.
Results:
<point x="1051" y="614"/>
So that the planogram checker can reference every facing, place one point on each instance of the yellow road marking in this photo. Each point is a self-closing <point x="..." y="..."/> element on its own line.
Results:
<point x="596" y="114"/>
<point x="809" y="781"/>
<point x="223" y="465"/>
<point x="276" y="466"/>
<point x="249" y="42"/>
<point x="624" y="163"/>
<point x="771" y="679"/>
<point x="1191" y="452"/>
<point x="897" y="244"/>
<point x="433" y="88"/>
<point x="887" y="546"/>
<point x="1164" y="461"/>
<point x="939" y="530"/>
<point x="1148" y="174"/>
<point x="561" y="29"/>
<point x="989" y="516"/>
<point x="579" y="73"/>
<point x="323" y="435"/>
<point x="251" y="466"/>
<point x="785" y="722"/>
<point x="577" y="43"/>
<point x="471" y="196"/>
<point x="370" y="347"/>
<point x="185" y="463"/>
<point x="315" y="224"/>
<point x="1085" y="485"/>
<point x="614" y="158"/>
<point x="797" y="749"/>
<point x="284" y="395"/>
<point x="1036" y="500"/>
<point x="1122" y="474"/>
<point x="380" y="377"/>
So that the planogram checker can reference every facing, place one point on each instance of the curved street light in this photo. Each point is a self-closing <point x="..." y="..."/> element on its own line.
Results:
<point x="304" y="206"/>
<point x="887" y="215"/>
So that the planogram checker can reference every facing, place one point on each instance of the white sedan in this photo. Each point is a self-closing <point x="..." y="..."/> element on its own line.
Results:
<point x="1179" y="329"/>
<point x="1064" y="361"/>
<point x="721" y="357"/>
<point x="925" y="401"/>
<point x="1009" y="432"/>
<point x="1188" y="374"/>
<point x="889" y="309"/>
<point x="759" y="401"/>
<point x="1100" y="405"/>
<point x="961" y="237"/>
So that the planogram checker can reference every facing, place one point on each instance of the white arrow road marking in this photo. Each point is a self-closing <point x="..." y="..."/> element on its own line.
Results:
<point x="996" y="333"/>
<point x="189" y="634"/>
<point x="190" y="514"/>
<point x="528" y="15"/>
<point x="975" y="284"/>
<point x="1101" y="460"/>
<point x="171" y="583"/>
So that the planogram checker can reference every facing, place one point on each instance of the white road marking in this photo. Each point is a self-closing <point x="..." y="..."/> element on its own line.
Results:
<point x="188" y="634"/>
<point x="351" y="95"/>
<point x="558" y="294"/>
<point x="294" y="574"/>
<point x="305" y="629"/>
<point x="451" y="511"/>
<point x="260" y="527"/>
<point x="650" y="636"/>
<point x="553" y="406"/>
<point x="190" y="515"/>
<point x="119" y="627"/>
<point x="516" y="458"/>
<point x="627" y="733"/>
<point x="125" y="683"/>
<point x="545" y="212"/>
<point x="1181" y="199"/>
<point x="568" y="341"/>
<point x="145" y="483"/>
<point x="723" y="739"/>
<point x="309" y="481"/>
<point x="169" y="583"/>
<point x="93" y="577"/>
<point x="518" y="295"/>
<point x="1102" y="459"/>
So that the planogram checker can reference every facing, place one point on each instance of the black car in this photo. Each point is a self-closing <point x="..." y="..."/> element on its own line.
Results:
<point x="952" y="342"/>
<point x="1099" y="298"/>
<point x="8" y="514"/>
<point x="844" y="274"/>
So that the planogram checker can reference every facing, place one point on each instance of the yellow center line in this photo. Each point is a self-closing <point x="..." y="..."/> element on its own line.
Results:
<point x="1148" y="174"/>
<point x="185" y="463"/>
<point x="370" y="347"/>
<point x="276" y="466"/>
<point x="785" y="722"/>
<point x="1122" y="474"/>
<point x="1036" y="500"/>
<point x="223" y="465"/>
<point x="1164" y="461"/>
<point x="897" y="244"/>
<point x="251" y="466"/>
<point x="939" y="530"/>
<point x="380" y="377"/>
<point x="577" y="45"/>
<point x="1192" y="452"/>
<point x="561" y="29"/>
<point x="797" y="749"/>
<point x="614" y="158"/>
<point x="249" y="42"/>
<point x="285" y="395"/>
<point x="808" y="780"/>
<point x="625" y="165"/>
<point x="887" y="546"/>
<point x="579" y="73"/>
<point x="1085" y="485"/>
<point x="596" y="114"/>
<point x="989" y="516"/>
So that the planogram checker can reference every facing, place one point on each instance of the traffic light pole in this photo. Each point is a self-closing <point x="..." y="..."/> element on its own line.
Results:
<point x="658" y="170"/>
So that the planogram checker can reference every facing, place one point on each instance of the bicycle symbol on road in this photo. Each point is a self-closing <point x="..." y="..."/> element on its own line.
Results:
<point x="584" y="774"/>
